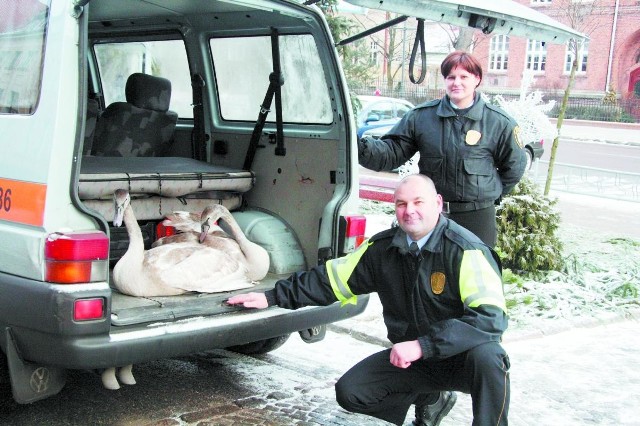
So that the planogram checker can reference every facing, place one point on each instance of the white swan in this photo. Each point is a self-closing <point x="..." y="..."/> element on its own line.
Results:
<point x="226" y="236"/>
<point x="181" y="267"/>
<point x="254" y="257"/>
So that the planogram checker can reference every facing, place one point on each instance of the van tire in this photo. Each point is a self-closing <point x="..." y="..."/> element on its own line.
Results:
<point x="261" y="346"/>
<point x="5" y="380"/>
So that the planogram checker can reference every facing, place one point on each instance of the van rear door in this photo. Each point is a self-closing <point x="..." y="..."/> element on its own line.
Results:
<point x="492" y="17"/>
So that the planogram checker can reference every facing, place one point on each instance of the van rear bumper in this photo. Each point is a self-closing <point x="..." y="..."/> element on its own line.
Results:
<point x="72" y="345"/>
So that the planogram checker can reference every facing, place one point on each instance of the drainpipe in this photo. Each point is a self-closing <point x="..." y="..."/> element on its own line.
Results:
<point x="613" y="41"/>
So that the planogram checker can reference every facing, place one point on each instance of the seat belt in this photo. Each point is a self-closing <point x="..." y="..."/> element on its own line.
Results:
<point x="198" y="136"/>
<point x="276" y="80"/>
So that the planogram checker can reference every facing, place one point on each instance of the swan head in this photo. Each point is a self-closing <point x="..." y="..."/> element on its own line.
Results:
<point x="209" y="221"/>
<point x="121" y="200"/>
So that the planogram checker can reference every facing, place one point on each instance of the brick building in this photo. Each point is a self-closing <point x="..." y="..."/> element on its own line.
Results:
<point x="610" y="59"/>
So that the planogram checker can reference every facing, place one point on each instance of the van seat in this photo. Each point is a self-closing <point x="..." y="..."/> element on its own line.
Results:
<point x="91" y="122"/>
<point x="142" y="126"/>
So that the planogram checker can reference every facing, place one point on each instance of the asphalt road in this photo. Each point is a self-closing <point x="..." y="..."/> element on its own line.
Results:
<point x="615" y="157"/>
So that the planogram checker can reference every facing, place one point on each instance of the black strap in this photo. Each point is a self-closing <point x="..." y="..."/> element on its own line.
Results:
<point x="419" y="40"/>
<point x="198" y="136"/>
<point x="275" y="56"/>
<point x="275" y="82"/>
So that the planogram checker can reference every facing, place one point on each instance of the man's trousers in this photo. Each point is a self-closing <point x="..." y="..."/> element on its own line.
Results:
<point x="377" y="388"/>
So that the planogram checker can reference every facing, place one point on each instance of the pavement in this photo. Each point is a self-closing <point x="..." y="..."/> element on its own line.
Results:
<point x="582" y="372"/>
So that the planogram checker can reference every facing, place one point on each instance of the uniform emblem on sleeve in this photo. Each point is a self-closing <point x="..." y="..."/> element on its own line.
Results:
<point x="517" y="136"/>
<point x="438" y="281"/>
<point x="472" y="137"/>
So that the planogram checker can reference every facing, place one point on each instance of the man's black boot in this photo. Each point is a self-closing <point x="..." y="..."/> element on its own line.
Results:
<point x="432" y="414"/>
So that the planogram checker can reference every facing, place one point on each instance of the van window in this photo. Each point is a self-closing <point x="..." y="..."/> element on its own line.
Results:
<point x="243" y="64"/>
<point x="162" y="58"/>
<point x="23" y="27"/>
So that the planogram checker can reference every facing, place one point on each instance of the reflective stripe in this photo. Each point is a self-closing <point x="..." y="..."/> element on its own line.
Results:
<point x="479" y="282"/>
<point x="339" y="271"/>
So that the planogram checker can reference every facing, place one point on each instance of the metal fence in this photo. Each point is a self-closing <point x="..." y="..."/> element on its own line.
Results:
<point x="579" y="108"/>
<point x="589" y="181"/>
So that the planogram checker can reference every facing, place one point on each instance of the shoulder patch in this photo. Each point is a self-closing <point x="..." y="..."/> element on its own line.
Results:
<point x="518" y="137"/>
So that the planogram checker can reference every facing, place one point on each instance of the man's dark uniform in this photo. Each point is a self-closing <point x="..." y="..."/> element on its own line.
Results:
<point x="449" y="298"/>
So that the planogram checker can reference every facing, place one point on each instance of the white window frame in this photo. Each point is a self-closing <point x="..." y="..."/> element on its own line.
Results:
<point x="498" y="53"/>
<point x="536" y="56"/>
<point x="583" y="56"/>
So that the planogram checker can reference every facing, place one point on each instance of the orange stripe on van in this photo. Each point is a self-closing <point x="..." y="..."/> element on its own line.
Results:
<point x="22" y="202"/>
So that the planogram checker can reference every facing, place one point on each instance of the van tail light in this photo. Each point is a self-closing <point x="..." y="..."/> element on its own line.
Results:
<point x="76" y="257"/>
<point x="164" y="231"/>
<point x="353" y="232"/>
<point x="88" y="309"/>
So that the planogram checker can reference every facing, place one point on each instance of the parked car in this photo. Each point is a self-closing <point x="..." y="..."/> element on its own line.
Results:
<point x="533" y="149"/>
<point x="380" y="111"/>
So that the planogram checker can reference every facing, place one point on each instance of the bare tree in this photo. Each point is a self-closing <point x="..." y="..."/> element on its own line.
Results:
<point x="461" y="38"/>
<point x="389" y="44"/>
<point x="581" y="17"/>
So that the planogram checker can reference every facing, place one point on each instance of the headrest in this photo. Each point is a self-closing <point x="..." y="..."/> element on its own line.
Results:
<point x="148" y="92"/>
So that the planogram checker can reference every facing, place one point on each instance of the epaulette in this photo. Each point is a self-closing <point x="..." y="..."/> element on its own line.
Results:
<point x="387" y="233"/>
<point x="500" y="111"/>
<point x="429" y="104"/>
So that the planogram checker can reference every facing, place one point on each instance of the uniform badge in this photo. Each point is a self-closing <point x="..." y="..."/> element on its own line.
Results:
<point x="438" y="281"/>
<point x="517" y="137"/>
<point x="472" y="137"/>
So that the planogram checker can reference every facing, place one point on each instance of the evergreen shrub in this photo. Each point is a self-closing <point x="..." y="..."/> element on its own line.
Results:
<point x="527" y="225"/>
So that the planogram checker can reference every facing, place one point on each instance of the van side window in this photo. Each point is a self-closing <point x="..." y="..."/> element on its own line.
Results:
<point x="23" y="26"/>
<point x="243" y="64"/>
<point x="160" y="58"/>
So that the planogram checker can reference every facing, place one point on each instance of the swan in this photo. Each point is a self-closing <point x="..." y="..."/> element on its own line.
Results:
<point x="189" y="227"/>
<point x="182" y="267"/>
<point x="219" y="230"/>
<point x="216" y="227"/>
<point x="210" y="260"/>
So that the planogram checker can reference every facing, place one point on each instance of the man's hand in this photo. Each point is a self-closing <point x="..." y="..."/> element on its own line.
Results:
<point x="404" y="353"/>
<point x="249" y="300"/>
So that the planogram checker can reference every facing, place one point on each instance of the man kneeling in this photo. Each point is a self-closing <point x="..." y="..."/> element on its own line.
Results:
<point x="441" y="290"/>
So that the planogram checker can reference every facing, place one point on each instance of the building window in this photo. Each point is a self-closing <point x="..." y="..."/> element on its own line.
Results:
<point x="499" y="53"/>
<point x="536" y="56"/>
<point x="373" y="53"/>
<point x="583" y="53"/>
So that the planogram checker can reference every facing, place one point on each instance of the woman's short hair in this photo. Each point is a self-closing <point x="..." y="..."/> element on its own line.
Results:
<point x="463" y="60"/>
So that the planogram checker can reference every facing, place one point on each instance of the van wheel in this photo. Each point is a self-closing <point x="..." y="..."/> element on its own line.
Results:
<point x="4" y="374"/>
<point x="261" y="346"/>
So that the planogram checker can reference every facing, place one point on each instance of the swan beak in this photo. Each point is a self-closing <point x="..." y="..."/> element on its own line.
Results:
<point x="119" y="216"/>
<point x="204" y="231"/>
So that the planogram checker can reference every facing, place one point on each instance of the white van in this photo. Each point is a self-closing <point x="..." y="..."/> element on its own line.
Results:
<point x="169" y="100"/>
